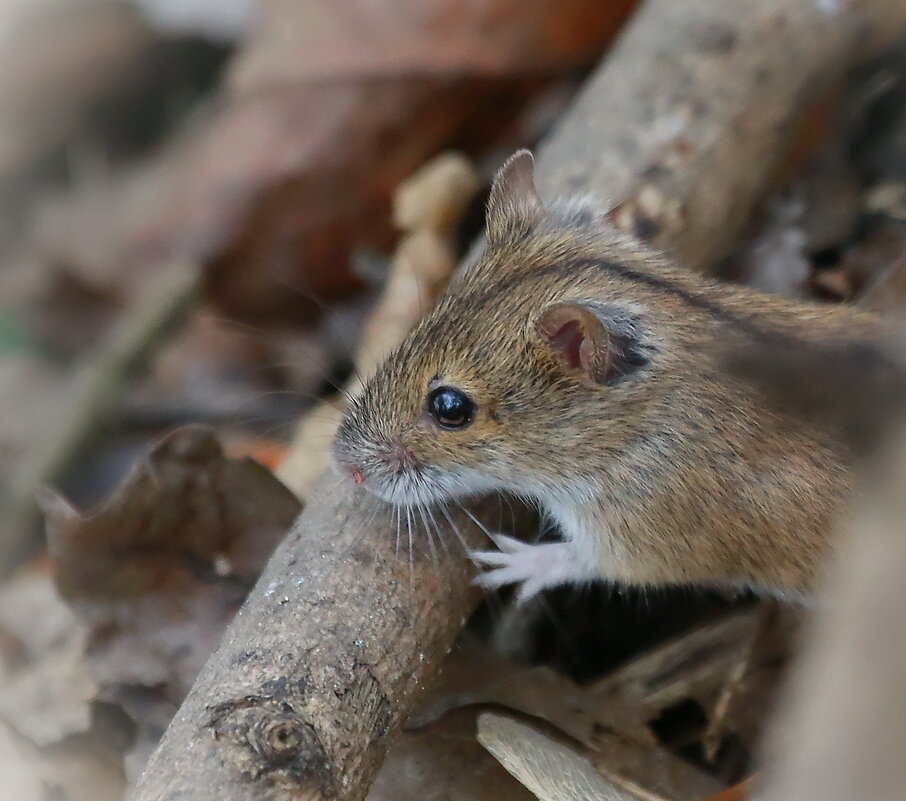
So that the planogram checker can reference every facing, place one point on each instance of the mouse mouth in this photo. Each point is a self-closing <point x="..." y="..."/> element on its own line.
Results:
<point x="405" y="486"/>
<point x="427" y="485"/>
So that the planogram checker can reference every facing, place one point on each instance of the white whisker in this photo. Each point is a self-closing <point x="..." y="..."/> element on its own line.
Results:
<point x="476" y="521"/>
<point x="462" y="540"/>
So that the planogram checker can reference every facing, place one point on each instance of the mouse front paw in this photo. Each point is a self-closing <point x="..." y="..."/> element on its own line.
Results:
<point x="534" y="567"/>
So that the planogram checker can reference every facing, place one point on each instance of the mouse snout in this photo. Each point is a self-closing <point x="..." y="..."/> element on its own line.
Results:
<point x="345" y="463"/>
<point x="390" y="455"/>
<point x="397" y="456"/>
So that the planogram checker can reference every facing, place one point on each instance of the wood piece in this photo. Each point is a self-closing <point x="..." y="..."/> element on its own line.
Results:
<point x="321" y="664"/>
<point x="682" y="667"/>
<point x="548" y="768"/>
<point x="733" y="684"/>
<point x="680" y="123"/>
<point x="680" y="130"/>
<point x="651" y="773"/>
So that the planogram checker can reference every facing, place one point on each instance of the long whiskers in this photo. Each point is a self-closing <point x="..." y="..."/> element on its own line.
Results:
<point x="476" y="521"/>
<point x="411" y="549"/>
<point x="420" y="508"/>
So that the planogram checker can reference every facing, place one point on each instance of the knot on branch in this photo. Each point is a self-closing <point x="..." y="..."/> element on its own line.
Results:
<point x="259" y="735"/>
<point x="280" y="740"/>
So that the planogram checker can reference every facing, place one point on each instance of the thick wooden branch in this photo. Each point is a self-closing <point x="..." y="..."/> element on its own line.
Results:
<point x="322" y="663"/>
<point x="680" y="128"/>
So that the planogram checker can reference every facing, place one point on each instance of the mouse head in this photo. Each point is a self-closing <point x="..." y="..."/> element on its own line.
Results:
<point x="520" y="379"/>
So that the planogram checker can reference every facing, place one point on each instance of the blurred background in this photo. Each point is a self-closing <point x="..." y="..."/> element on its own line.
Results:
<point x="256" y="146"/>
<point x="200" y="205"/>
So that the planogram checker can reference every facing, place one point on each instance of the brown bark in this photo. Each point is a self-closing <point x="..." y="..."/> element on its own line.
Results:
<point x="321" y="664"/>
<point x="681" y="126"/>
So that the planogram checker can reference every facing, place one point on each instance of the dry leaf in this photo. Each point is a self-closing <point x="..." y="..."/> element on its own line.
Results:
<point x="159" y="570"/>
<point x="545" y="694"/>
<point x="302" y="42"/>
<point x="46" y="686"/>
<point x="329" y="107"/>
<point x="444" y="760"/>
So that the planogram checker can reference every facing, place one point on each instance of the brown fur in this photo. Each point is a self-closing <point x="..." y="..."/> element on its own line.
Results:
<point x="680" y="472"/>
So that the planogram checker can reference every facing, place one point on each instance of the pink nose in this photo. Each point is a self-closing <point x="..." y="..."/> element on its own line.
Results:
<point x="358" y="476"/>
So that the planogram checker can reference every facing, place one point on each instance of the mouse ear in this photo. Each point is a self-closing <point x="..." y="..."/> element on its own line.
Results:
<point x="598" y="341"/>
<point x="514" y="206"/>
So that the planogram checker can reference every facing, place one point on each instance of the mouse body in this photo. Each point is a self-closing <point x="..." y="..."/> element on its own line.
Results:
<point x="572" y="366"/>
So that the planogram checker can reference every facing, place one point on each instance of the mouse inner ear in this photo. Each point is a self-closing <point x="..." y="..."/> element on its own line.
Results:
<point x="514" y="206"/>
<point x="598" y="342"/>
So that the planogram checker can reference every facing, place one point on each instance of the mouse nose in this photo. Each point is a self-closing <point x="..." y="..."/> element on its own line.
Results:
<point x="398" y="455"/>
<point x="347" y="466"/>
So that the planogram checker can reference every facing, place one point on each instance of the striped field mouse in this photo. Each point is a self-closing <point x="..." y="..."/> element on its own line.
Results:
<point x="572" y="366"/>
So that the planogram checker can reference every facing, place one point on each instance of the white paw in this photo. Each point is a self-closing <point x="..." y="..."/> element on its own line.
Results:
<point x="534" y="567"/>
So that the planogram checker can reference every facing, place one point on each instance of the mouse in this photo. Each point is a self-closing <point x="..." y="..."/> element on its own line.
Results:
<point x="572" y="366"/>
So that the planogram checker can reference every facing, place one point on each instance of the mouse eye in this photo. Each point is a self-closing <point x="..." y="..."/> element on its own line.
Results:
<point x="450" y="408"/>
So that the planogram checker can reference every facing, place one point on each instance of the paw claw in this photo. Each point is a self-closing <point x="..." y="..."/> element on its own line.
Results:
<point x="489" y="558"/>
<point x="509" y="544"/>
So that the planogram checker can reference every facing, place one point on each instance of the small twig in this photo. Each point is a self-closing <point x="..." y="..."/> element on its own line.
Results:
<point x="549" y="769"/>
<point x="733" y="685"/>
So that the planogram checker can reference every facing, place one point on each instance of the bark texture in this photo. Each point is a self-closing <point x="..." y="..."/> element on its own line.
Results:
<point x="322" y="662"/>
<point x="680" y="128"/>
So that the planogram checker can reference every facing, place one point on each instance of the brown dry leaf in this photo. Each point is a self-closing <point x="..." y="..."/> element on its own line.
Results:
<point x="541" y="693"/>
<point x="364" y="39"/>
<point x="161" y="568"/>
<point x="296" y="169"/>
<point x="284" y="186"/>
<point x="445" y="761"/>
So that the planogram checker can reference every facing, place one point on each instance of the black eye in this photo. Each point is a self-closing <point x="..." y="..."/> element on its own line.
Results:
<point x="450" y="408"/>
